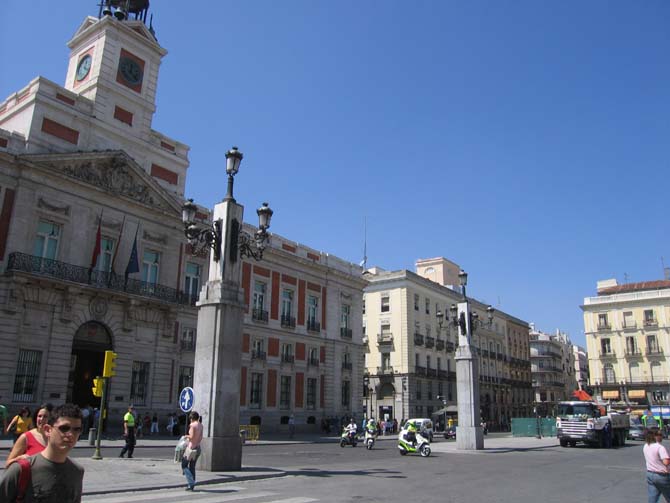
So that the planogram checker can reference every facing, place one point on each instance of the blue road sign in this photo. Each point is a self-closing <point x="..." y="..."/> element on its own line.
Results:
<point x="186" y="398"/>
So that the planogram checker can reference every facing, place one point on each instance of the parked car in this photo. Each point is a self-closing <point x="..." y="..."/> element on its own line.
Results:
<point x="636" y="432"/>
<point x="425" y="427"/>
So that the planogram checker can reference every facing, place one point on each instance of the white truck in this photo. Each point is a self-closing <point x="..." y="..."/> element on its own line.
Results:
<point x="579" y="421"/>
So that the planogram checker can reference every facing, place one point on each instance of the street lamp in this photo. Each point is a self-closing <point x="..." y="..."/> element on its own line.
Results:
<point x="366" y="391"/>
<point x="217" y="372"/>
<point x="202" y="238"/>
<point x="466" y="322"/>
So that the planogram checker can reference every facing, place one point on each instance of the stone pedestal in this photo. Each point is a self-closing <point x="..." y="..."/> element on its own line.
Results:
<point x="469" y="433"/>
<point x="216" y="380"/>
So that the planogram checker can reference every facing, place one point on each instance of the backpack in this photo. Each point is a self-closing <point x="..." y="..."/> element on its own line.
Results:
<point x="24" y="479"/>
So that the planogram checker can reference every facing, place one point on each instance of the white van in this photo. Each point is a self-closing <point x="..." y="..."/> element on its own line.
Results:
<point x="424" y="426"/>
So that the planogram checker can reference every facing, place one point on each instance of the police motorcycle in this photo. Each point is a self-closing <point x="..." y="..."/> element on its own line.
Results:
<point x="410" y="441"/>
<point x="349" y="436"/>
<point x="370" y="434"/>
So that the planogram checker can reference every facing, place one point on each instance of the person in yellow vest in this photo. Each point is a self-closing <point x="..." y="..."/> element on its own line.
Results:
<point x="128" y="433"/>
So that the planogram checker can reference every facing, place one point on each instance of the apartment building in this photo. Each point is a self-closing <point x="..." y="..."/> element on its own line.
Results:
<point x="409" y="357"/>
<point x="552" y="367"/>
<point x="581" y="360"/>
<point x="627" y="335"/>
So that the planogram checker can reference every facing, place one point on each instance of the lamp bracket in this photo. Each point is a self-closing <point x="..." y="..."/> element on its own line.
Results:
<point x="248" y="245"/>
<point x="201" y="239"/>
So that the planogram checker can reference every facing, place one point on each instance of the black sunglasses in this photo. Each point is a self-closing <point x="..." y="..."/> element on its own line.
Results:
<point x="66" y="428"/>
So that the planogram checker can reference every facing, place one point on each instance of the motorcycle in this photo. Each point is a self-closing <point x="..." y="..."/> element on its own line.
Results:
<point x="370" y="437"/>
<point x="450" y="433"/>
<point x="348" y="438"/>
<point x="420" y="444"/>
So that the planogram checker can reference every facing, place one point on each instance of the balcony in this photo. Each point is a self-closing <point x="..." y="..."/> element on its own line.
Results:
<point x="651" y="323"/>
<point x="629" y="325"/>
<point x="313" y="326"/>
<point x="442" y="374"/>
<point x="62" y="271"/>
<point x="418" y="339"/>
<point x="500" y="356"/>
<point x="259" y="315"/>
<point x="313" y="362"/>
<point x="633" y="352"/>
<point x="431" y="372"/>
<point x="287" y="321"/>
<point x="420" y="371"/>
<point x="439" y="344"/>
<point x="654" y="351"/>
<point x="287" y="358"/>
<point x="485" y="353"/>
<point x="345" y="333"/>
<point x="347" y="366"/>
<point x="450" y="346"/>
<point x="385" y="338"/>
<point x="258" y="355"/>
<point x="382" y="371"/>
<point x="430" y="341"/>
<point x="604" y="327"/>
<point x="607" y="353"/>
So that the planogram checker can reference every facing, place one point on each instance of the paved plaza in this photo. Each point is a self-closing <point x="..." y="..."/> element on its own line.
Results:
<point x="311" y="469"/>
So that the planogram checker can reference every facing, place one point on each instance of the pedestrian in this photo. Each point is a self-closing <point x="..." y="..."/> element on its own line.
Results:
<point x="170" y="425"/>
<point x="33" y="441"/>
<point x="85" y="413"/>
<point x="53" y="476"/>
<point x="291" y="426"/>
<point x="192" y="452"/>
<point x="128" y="433"/>
<point x="146" y="427"/>
<point x="3" y="416"/>
<point x="21" y="423"/>
<point x="657" y="461"/>
<point x="154" y="424"/>
<point x="138" y="424"/>
<point x="96" y="416"/>
<point x="607" y="435"/>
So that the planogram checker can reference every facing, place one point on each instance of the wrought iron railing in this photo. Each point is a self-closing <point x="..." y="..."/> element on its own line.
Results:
<point x="31" y="264"/>
<point x="287" y="321"/>
<point x="258" y="355"/>
<point x="345" y="333"/>
<point x="347" y="365"/>
<point x="259" y="315"/>
<point x="313" y="325"/>
<point x="313" y="362"/>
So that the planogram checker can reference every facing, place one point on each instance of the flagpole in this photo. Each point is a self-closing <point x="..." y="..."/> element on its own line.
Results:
<point x="96" y="247"/>
<point x="112" y="274"/>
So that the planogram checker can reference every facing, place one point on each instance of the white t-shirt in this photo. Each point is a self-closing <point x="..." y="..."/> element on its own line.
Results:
<point x="654" y="454"/>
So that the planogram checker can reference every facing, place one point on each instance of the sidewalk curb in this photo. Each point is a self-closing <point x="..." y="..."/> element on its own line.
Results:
<point x="232" y="479"/>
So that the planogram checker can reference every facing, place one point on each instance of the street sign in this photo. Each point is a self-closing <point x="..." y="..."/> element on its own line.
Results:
<point x="186" y="398"/>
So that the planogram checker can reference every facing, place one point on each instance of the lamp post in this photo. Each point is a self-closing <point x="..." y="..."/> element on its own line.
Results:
<point x="216" y="380"/>
<point x="470" y="433"/>
<point x="366" y="391"/>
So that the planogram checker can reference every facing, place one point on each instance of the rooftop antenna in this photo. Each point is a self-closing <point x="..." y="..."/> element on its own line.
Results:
<point x="625" y="277"/>
<point x="666" y="270"/>
<point x="364" y="262"/>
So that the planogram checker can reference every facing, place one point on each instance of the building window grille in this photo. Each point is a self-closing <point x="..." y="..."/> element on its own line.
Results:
<point x="285" y="393"/>
<point x="139" y="384"/>
<point x="256" y="390"/>
<point x="310" y="399"/>
<point x="27" y="375"/>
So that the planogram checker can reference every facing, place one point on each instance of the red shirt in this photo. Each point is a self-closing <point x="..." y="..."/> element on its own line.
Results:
<point x="33" y="445"/>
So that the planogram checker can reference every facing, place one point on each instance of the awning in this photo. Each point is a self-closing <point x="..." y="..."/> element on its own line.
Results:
<point x="611" y="394"/>
<point x="449" y="409"/>
<point x="636" y="393"/>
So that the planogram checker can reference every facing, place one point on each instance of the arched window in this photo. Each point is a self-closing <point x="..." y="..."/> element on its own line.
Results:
<point x="609" y="374"/>
<point x="634" y="370"/>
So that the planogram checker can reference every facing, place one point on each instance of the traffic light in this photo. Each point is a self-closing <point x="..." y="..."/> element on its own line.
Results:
<point x="108" y="369"/>
<point x="98" y="383"/>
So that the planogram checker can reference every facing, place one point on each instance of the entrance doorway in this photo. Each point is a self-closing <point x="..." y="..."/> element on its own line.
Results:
<point x="91" y="341"/>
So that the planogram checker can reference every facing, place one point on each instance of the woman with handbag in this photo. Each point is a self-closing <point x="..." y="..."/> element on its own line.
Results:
<point x="21" y="423"/>
<point x="33" y="441"/>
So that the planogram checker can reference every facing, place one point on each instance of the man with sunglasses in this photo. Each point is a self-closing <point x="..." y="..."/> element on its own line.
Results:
<point x="54" y="477"/>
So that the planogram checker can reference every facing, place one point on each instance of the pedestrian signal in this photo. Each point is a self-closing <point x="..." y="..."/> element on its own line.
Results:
<point x="98" y="383"/>
<point x="109" y="369"/>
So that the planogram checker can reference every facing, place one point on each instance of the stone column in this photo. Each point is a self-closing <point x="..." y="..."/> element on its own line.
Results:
<point x="218" y="350"/>
<point x="469" y="433"/>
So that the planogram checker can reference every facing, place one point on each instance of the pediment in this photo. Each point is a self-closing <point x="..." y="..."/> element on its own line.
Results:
<point x="113" y="172"/>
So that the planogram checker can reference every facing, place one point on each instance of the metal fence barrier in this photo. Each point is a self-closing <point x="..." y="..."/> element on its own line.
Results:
<point x="533" y="427"/>
<point x="249" y="432"/>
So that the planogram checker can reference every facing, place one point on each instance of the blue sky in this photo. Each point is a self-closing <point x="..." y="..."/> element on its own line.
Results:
<point x="525" y="140"/>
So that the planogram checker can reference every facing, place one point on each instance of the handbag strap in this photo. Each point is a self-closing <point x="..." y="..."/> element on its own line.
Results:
<point x="24" y="479"/>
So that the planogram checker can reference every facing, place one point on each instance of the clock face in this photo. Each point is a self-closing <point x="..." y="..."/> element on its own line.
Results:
<point x="130" y="71"/>
<point x="84" y="67"/>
